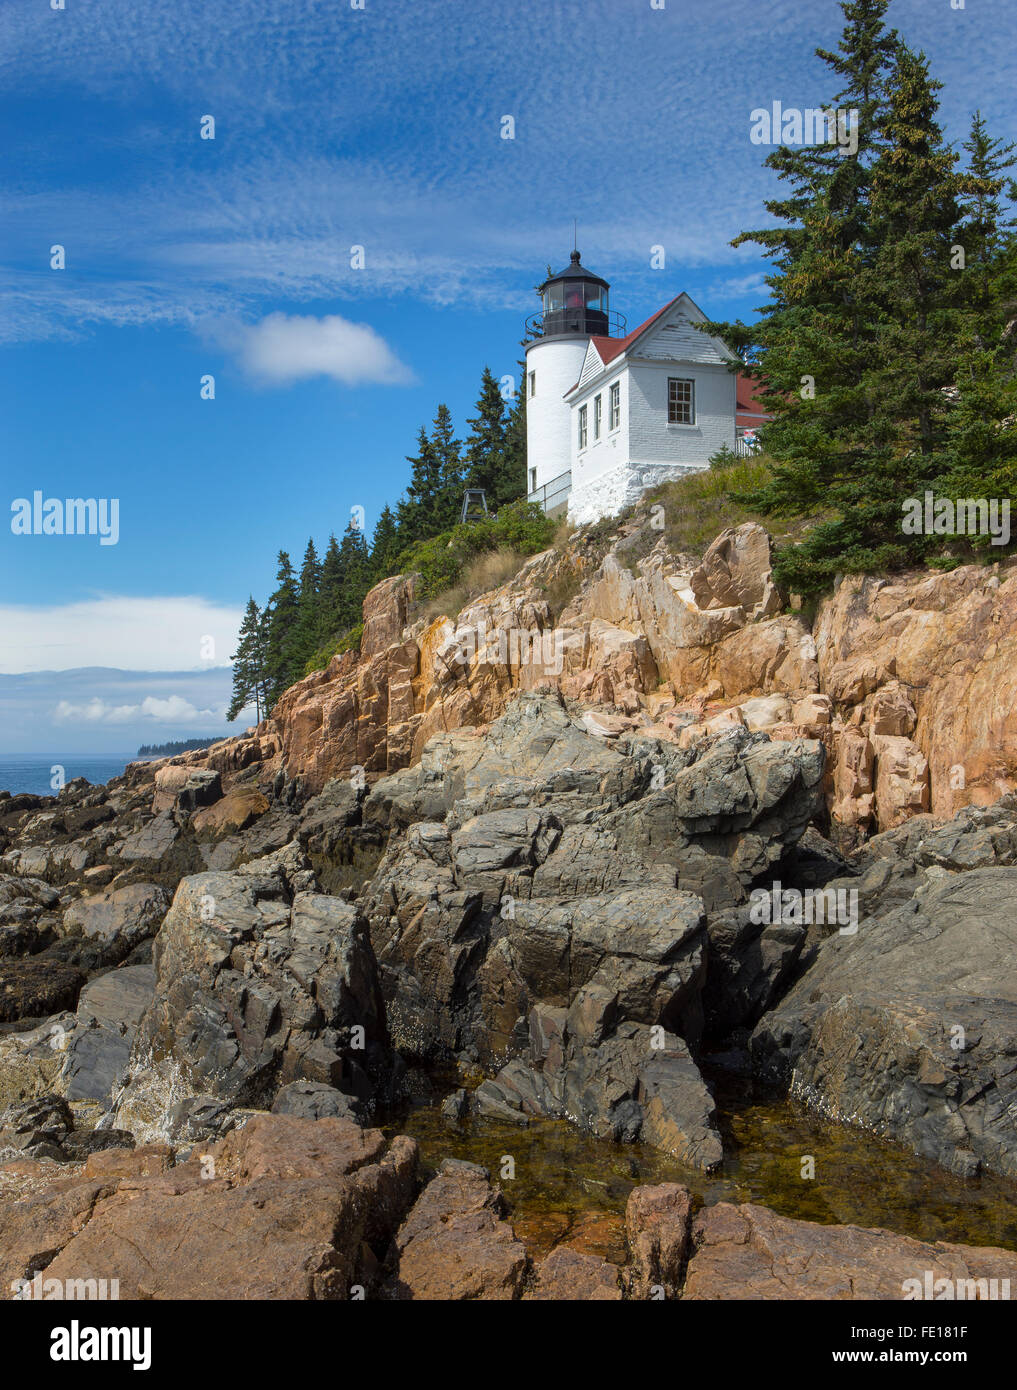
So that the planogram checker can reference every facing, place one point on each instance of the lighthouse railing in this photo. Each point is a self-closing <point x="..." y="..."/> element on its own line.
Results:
<point x="579" y="321"/>
<point x="553" y="495"/>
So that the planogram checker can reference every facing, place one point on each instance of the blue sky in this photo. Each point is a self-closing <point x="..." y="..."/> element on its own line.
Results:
<point x="338" y="127"/>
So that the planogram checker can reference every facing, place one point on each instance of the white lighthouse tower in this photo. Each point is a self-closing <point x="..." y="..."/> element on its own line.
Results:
<point x="574" y="309"/>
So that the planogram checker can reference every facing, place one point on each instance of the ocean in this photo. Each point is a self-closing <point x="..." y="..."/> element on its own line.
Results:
<point x="33" y="774"/>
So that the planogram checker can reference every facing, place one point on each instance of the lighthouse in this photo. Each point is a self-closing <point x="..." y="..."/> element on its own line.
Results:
<point x="574" y="309"/>
<point x="611" y="413"/>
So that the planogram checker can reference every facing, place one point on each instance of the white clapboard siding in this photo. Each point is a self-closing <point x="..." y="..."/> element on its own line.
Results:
<point x="592" y="366"/>
<point x="679" y="341"/>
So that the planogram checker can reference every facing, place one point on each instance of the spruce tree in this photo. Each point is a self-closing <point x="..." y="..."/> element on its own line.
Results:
<point x="356" y="567"/>
<point x="416" y="510"/>
<point x="306" y="629"/>
<point x="981" y="453"/>
<point x="484" y="457"/>
<point x="331" y="592"/>
<point x="385" y="545"/>
<point x="812" y="345"/>
<point x="514" y="475"/>
<point x="250" y="678"/>
<point x="282" y="610"/>
<point x="987" y="234"/>
<point x="447" y="449"/>
<point x="861" y="345"/>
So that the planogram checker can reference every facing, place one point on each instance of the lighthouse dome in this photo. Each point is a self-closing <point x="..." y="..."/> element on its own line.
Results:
<point x="574" y="301"/>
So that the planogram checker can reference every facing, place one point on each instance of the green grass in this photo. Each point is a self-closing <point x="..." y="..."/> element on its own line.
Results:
<point x="695" y="509"/>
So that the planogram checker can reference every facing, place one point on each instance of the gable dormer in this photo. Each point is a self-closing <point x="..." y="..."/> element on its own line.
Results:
<point x="669" y="335"/>
<point x="672" y="336"/>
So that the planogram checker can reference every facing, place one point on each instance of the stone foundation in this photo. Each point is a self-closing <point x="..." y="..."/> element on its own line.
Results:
<point x="609" y="493"/>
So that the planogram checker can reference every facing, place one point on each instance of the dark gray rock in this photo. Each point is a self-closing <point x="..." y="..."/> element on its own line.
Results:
<point x="153" y="841"/>
<point x="258" y="985"/>
<point x="538" y="874"/>
<point x="909" y="1027"/>
<point x="200" y="1120"/>
<point x="97" y="1061"/>
<point x="81" y="1142"/>
<point x="636" y="1084"/>
<point x="456" y="1105"/>
<point x="749" y="965"/>
<point x="29" y="915"/>
<point x="37" y="1127"/>
<point x="310" y="1100"/>
<point x="118" y="998"/>
<point x="202" y="788"/>
<point x="116" y="920"/>
<point x="98" y="1050"/>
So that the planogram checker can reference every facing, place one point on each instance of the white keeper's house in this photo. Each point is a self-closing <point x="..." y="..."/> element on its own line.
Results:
<point x="610" y="413"/>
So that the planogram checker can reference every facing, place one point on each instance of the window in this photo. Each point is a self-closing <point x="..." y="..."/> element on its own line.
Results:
<point x="681" y="401"/>
<point x="582" y="427"/>
<point x="614" y="408"/>
<point x="533" y="480"/>
<point x="598" y="402"/>
<point x="596" y="297"/>
<point x="533" y="383"/>
<point x="554" y="297"/>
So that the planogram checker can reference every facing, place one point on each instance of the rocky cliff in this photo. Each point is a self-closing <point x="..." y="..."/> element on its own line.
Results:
<point x="514" y="858"/>
<point x="909" y="682"/>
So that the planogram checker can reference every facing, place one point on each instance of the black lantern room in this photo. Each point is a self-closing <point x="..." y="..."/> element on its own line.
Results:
<point x="575" y="301"/>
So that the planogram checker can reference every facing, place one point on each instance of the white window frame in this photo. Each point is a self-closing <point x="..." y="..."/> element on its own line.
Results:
<point x="583" y="430"/>
<point x="614" y="406"/>
<point x="690" y="382"/>
<point x="533" y="384"/>
<point x="598" y="413"/>
<point x="533" y="480"/>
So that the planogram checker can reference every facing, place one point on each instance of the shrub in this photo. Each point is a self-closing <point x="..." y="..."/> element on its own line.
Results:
<point x="348" y="642"/>
<point x="479" y="575"/>
<point x="519" y="527"/>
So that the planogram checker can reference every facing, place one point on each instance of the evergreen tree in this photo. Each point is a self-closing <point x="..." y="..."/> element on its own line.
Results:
<point x="416" y="510"/>
<point x="813" y="343"/>
<point x="861" y="345"/>
<point x="982" y="444"/>
<point x="330" y="591"/>
<point x="385" y="546"/>
<point x="447" y="449"/>
<point x="357" y="578"/>
<point x="915" y="216"/>
<point x="250" y="676"/>
<point x="484" y="456"/>
<point x="282" y="609"/>
<point x="514" y="476"/>
<point x="308" y="620"/>
<point x="987" y="235"/>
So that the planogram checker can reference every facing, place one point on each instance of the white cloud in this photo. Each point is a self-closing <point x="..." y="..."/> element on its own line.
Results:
<point x="171" y="710"/>
<point x="284" y="348"/>
<point x="132" y="634"/>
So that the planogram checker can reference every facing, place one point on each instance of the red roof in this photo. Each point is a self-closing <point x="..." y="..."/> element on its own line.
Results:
<point x="751" y="408"/>
<point x="610" y="348"/>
